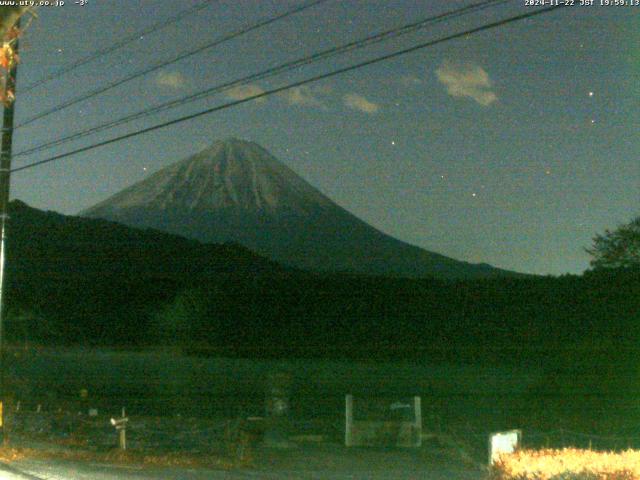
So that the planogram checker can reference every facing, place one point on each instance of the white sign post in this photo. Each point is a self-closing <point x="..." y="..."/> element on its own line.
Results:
<point x="121" y="428"/>
<point x="503" y="442"/>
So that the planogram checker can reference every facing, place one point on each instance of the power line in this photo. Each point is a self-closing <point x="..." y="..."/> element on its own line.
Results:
<point x="282" y="68"/>
<point x="296" y="84"/>
<point x="173" y="60"/>
<point x="118" y="45"/>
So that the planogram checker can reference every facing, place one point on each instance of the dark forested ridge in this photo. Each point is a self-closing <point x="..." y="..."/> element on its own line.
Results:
<point x="76" y="280"/>
<point x="83" y="280"/>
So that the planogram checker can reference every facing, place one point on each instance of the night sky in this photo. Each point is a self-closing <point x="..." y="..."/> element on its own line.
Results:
<point x="513" y="146"/>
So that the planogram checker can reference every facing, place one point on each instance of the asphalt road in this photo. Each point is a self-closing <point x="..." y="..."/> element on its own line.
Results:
<point x="67" y="470"/>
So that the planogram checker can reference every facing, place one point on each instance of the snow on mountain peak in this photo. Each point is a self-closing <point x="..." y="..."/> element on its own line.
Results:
<point x="232" y="173"/>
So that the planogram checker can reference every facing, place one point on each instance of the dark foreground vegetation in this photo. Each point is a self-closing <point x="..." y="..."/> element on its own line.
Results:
<point x="81" y="282"/>
<point x="92" y="282"/>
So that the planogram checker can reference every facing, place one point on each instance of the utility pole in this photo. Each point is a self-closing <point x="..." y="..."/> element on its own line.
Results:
<point x="5" y="182"/>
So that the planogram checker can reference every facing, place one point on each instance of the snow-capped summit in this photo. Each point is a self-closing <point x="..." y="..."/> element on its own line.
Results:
<point x="232" y="173"/>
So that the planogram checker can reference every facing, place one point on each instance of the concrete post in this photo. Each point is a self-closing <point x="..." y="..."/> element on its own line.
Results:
<point x="348" y="421"/>
<point x="417" y="408"/>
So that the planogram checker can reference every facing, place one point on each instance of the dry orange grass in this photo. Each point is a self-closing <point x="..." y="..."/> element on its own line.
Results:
<point x="567" y="464"/>
<point x="117" y="457"/>
<point x="10" y="454"/>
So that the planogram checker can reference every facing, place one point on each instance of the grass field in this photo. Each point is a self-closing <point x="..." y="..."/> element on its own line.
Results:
<point x="169" y="383"/>
<point x="171" y="396"/>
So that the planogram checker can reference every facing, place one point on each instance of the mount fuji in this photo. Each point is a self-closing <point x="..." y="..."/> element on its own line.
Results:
<point x="236" y="191"/>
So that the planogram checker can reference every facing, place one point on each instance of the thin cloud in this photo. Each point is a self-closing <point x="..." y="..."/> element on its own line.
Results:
<point x="360" y="103"/>
<point x="174" y="80"/>
<point x="242" y="92"/>
<point x="467" y="80"/>
<point x="302" y="96"/>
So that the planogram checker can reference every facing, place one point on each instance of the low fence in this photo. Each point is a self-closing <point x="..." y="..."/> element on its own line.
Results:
<point x="74" y="425"/>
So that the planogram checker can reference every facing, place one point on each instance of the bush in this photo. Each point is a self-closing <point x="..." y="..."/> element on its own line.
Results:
<point x="567" y="464"/>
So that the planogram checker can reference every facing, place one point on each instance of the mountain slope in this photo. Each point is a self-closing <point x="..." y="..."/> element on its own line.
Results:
<point x="81" y="278"/>
<point x="236" y="191"/>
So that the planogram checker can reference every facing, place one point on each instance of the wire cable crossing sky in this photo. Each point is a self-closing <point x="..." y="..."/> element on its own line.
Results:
<point x="158" y="66"/>
<point x="288" y="87"/>
<point x="283" y="68"/>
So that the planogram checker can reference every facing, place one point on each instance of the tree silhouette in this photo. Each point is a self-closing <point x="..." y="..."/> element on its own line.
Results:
<point x="9" y="16"/>
<point x="619" y="248"/>
<point x="9" y="33"/>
